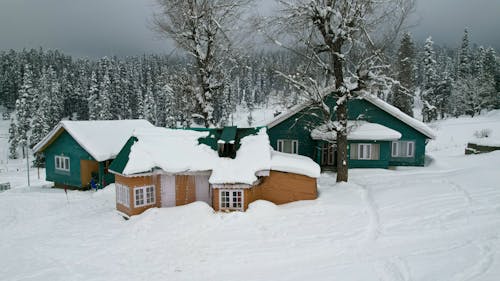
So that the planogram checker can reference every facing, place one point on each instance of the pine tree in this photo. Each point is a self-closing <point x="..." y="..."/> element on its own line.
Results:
<point x="13" y="140"/>
<point x="464" y="65"/>
<point x="40" y="127"/>
<point x="402" y="97"/>
<point x="148" y="104"/>
<point x="104" y="100"/>
<point x="429" y="110"/>
<point x="24" y="108"/>
<point x="93" y="98"/>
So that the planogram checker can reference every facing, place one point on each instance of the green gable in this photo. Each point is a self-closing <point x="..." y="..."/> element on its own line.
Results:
<point x="65" y="145"/>
<point x="121" y="159"/>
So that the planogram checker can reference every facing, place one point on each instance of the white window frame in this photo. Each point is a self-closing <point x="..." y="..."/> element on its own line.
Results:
<point x="122" y="195"/>
<point x="61" y="160"/>
<point x="231" y="199"/>
<point x="295" y="145"/>
<point x="362" y="153"/>
<point x="145" y="200"/>
<point x="398" y="146"/>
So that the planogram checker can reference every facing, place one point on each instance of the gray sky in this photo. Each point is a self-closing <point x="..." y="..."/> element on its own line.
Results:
<point x="96" y="28"/>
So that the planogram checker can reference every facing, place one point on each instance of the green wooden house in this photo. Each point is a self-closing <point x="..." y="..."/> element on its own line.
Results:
<point x="76" y="152"/>
<point x="379" y="135"/>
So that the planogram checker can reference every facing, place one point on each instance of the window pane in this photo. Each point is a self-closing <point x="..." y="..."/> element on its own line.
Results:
<point x="57" y="163"/>
<point x="287" y="146"/>
<point x="66" y="163"/>
<point x="410" y="149"/>
<point x="394" y="148"/>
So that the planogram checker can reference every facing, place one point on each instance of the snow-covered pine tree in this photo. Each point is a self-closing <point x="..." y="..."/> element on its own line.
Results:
<point x="23" y="109"/>
<point x="403" y="94"/>
<point x="148" y="102"/>
<point x="464" y="57"/>
<point x="93" y="98"/>
<point x="13" y="140"/>
<point x="104" y="100"/>
<point x="40" y="123"/>
<point x="428" y="94"/>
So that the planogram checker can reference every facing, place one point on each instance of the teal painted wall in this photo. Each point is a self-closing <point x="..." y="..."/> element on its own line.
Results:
<point x="372" y="113"/>
<point x="299" y="126"/>
<point x="65" y="145"/>
<point x="382" y="162"/>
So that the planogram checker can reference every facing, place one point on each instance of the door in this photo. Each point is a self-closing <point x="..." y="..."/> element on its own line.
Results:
<point x="167" y="191"/>
<point x="203" y="189"/>
<point x="329" y="153"/>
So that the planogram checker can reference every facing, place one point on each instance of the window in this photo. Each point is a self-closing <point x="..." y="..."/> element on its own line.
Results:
<point x="364" y="151"/>
<point x="122" y="195"/>
<point x="62" y="163"/>
<point x="144" y="195"/>
<point x="403" y="149"/>
<point x="231" y="199"/>
<point x="288" y="146"/>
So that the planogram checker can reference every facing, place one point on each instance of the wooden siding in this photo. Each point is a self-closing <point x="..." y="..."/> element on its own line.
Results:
<point x="279" y="188"/>
<point x="185" y="190"/>
<point x="132" y="182"/>
<point x="298" y="127"/>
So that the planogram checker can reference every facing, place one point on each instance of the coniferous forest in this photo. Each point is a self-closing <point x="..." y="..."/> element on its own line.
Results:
<point x="41" y="87"/>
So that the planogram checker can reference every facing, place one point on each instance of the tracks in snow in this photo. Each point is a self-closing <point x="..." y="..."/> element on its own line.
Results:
<point x="373" y="229"/>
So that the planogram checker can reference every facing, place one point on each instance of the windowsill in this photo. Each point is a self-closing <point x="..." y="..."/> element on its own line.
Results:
<point x="145" y="205"/>
<point x="62" y="172"/>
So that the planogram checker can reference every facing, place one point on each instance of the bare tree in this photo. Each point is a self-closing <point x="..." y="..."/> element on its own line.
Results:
<point x="344" y="42"/>
<point x="202" y="28"/>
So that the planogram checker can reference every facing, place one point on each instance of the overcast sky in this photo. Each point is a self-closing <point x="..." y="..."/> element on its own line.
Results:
<point x="96" y="28"/>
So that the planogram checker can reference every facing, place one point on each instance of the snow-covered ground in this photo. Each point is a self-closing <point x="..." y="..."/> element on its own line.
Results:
<point x="440" y="222"/>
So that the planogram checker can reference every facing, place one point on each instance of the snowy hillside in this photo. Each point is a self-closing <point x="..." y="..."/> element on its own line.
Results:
<point x="440" y="222"/>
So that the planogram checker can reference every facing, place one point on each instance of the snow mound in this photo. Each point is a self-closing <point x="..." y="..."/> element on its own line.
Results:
<point x="358" y="130"/>
<point x="254" y="155"/>
<point x="297" y="164"/>
<point x="174" y="151"/>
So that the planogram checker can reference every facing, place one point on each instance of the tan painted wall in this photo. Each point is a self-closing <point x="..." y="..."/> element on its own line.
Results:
<point x="132" y="182"/>
<point x="86" y="169"/>
<point x="281" y="188"/>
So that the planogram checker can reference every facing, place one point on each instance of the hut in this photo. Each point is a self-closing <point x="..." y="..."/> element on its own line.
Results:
<point x="76" y="152"/>
<point x="227" y="168"/>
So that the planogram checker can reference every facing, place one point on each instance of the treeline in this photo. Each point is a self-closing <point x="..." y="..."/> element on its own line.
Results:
<point x="447" y="81"/>
<point x="42" y="87"/>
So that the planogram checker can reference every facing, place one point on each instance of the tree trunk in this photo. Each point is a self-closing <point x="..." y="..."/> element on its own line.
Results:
<point x="342" y="95"/>
<point x="342" y="171"/>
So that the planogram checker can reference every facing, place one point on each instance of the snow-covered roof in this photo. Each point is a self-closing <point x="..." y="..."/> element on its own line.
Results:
<point x="293" y="163"/>
<point x="394" y="111"/>
<point x="103" y="140"/>
<point x="178" y="151"/>
<point x="410" y="121"/>
<point x="358" y="130"/>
